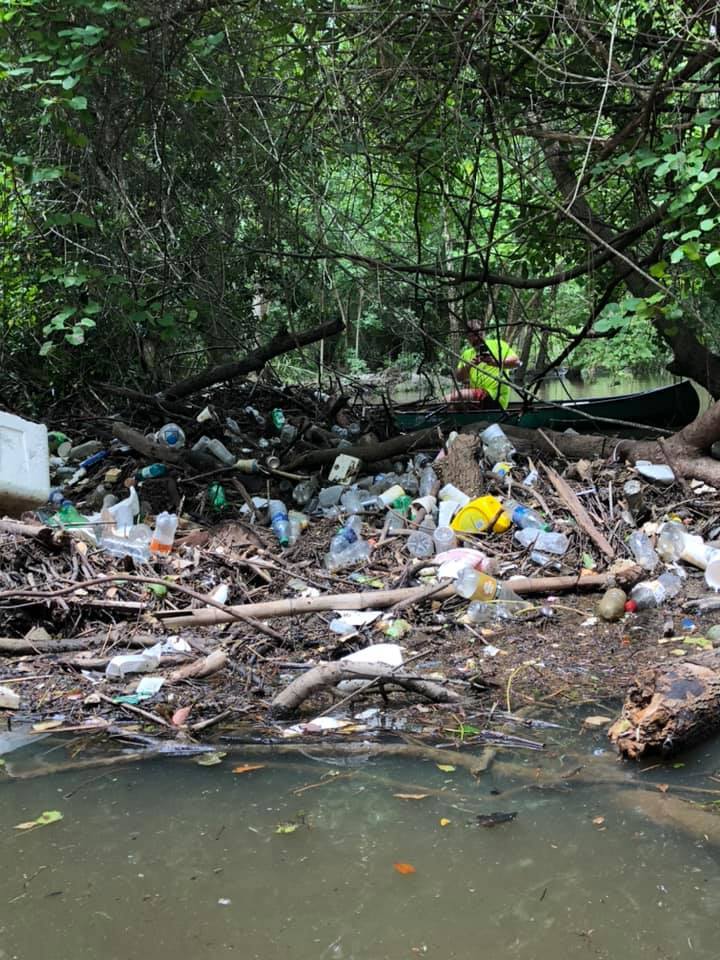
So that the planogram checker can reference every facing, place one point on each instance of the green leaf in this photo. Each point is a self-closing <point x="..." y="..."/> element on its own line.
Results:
<point x="46" y="348"/>
<point x="78" y="103"/>
<point x="76" y="337"/>
<point x="70" y="82"/>
<point x="658" y="269"/>
<point x="707" y="224"/>
<point x="43" y="174"/>
<point x="86" y="322"/>
<point x="713" y="258"/>
<point x="45" y="818"/>
<point x="677" y="255"/>
<point x="158" y="589"/>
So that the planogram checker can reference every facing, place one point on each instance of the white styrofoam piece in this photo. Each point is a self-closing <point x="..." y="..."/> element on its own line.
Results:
<point x="24" y="464"/>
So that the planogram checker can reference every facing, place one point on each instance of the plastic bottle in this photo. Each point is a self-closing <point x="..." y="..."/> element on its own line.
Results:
<point x="451" y="492"/>
<point x="444" y="538"/>
<point x="215" y="448"/>
<point x="298" y="523"/>
<point x="348" y="535"/>
<point x="288" y="433"/>
<point x="474" y="585"/>
<point x="524" y="516"/>
<point x="643" y="550"/>
<point x="330" y="496"/>
<point x="164" y="533"/>
<point x="530" y="478"/>
<point x="496" y="445"/>
<point x="420" y="544"/>
<point x="279" y="521"/>
<point x="653" y="593"/>
<point x="68" y="516"/>
<point x="152" y="471"/>
<point x="428" y="479"/>
<point x="171" y="435"/>
<point x="217" y="501"/>
<point x="278" y="419"/>
<point x="344" y="554"/>
<point x="446" y="511"/>
<point x="304" y="491"/>
<point x="395" y="520"/>
<point x="544" y="540"/>
<point x="671" y="541"/>
<point x="56" y="497"/>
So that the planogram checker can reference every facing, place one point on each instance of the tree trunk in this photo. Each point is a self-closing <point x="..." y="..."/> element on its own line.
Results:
<point x="670" y="707"/>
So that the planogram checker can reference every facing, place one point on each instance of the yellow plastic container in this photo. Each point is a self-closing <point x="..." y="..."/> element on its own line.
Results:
<point x="476" y="516"/>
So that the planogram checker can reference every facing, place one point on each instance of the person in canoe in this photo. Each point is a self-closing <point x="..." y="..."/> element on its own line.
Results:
<point x="482" y="367"/>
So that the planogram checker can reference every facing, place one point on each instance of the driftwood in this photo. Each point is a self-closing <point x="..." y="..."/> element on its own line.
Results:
<point x="669" y="707"/>
<point x="15" y="647"/>
<point x="201" y="668"/>
<point x="330" y="674"/>
<point x="430" y="438"/>
<point x="382" y="599"/>
<point x="571" y="501"/>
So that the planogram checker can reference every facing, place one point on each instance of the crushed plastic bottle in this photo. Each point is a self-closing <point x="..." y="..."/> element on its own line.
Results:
<point x="524" y="517"/>
<point x="330" y="496"/>
<point x="255" y="415"/>
<point x="347" y="546"/>
<point x="278" y="419"/>
<point x="215" y="448"/>
<point x="496" y="445"/>
<point x="171" y="435"/>
<point x="305" y="491"/>
<point x="474" y="585"/>
<point x="643" y="550"/>
<point x="654" y="593"/>
<point x="547" y="541"/>
<point x="420" y="545"/>
<point x="279" y="521"/>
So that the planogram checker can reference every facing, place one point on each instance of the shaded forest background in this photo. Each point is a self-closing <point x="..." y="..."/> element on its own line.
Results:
<point x="181" y="181"/>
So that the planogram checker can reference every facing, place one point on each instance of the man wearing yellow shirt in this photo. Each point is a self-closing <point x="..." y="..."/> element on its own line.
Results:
<point x="482" y="367"/>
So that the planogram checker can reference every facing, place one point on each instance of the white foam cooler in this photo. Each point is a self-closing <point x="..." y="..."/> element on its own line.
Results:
<point x="24" y="466"/>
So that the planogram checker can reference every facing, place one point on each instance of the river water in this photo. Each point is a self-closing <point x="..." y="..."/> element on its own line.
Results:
<point x="169" y="859"/>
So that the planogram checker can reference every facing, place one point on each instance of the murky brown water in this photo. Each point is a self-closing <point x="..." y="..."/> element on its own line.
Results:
<point x="169" y="859"/>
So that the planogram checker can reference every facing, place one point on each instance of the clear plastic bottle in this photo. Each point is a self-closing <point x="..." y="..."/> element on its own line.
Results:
<point x="215" y="448"/>
<point x="643" y="550"/>
<point x="548" y="541"/>
<point x="420" y="544"/>
<point x="395" y="520"/>
<point x="524" y="517"/>
<point x="474" y="585"/>
<point x="348" y="535"/>
<point x="330" y="496"/>
<point x="171" y="435"/>
<point x="653" y="593"/>
<point x="671" y="541"/>
<point x="279" y="521"/>
<point x="444" y="538"/>
<point x="356" y="552"/>
<point x="304" y="492"/>
<point x="496" y="445"/>
<point x="164" y="533"/>
<point x="428" y="479"/>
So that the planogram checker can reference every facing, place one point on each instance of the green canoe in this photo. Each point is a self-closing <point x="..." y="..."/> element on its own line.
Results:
<point x="669" y="407"/>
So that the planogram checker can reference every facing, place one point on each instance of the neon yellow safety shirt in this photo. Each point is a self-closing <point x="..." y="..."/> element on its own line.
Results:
<point x="485" y="376"/>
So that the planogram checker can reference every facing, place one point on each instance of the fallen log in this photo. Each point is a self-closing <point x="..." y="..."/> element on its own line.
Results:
<point x="210" y="664"/>
<point x="327" y="675"/>
<point x="669" y="707"/>
<point x="19" y="646"/>
<point x="382" y="599"/>
<point x="430" y="438"/>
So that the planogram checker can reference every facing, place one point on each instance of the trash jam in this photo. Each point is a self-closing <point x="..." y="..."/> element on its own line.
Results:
<point x="286" y="559"/>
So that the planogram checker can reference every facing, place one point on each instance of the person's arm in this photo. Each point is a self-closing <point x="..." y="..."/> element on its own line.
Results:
<point x="462" y="372"/>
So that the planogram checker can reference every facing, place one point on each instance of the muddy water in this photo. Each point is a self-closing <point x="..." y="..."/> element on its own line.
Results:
<point x="172" y="860"/>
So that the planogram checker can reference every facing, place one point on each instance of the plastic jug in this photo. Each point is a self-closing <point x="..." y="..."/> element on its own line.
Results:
<point x="477" y="515"/>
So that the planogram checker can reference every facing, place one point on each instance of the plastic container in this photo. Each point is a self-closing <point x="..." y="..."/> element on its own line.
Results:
<point x="654" y="593"/>
<point x="502" y="469"/>
<point x="355" y="553"/>
<point x="451" y="492"/>
<point x="428" y="479"/>
<point x="164" y="533"/>
<point x="477" y="516"/>
<point x="675" y="543"/>
<point x="420" y="545"/>
<point x="171" y="435"/>
<point x="348" y="535"/>
<point x="304" y="492"/>
<point x="444" y="538"/>
<point x="524" y="517"/>
<point x="152" y="471"/>
<point x="216" y="498"/>
<point x="279" y="521"/>
<point x="712" y="574"/>
<point x="643" y="550"/>
<point x="474" y="585"/>
<point x="446" y="511"/>
<point x="24" y="465"/>
<point x="496" y="445"/>
<point x="548" y="541"/>
<point x="144" y="661"/>
<point x="330" y="496"/>
<point x="215" y="448"/>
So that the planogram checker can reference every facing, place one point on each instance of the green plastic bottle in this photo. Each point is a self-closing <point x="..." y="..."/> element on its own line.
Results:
<point x="278" y="418"/>
<point x="217" y="500"/>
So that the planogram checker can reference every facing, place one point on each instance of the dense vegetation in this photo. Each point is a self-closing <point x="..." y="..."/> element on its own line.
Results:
<point x="179" y="179"/>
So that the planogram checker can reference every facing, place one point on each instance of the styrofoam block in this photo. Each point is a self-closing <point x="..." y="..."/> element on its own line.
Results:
<point x="24" y="466"/>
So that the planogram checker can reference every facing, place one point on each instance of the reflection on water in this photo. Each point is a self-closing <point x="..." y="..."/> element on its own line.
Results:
<point x="170" y="860"/>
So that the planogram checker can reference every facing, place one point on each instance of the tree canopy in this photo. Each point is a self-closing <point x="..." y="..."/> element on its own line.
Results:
<point x="178" y="180"/>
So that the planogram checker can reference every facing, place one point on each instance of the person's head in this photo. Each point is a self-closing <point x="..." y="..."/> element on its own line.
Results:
<point x="474" y="333"/>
